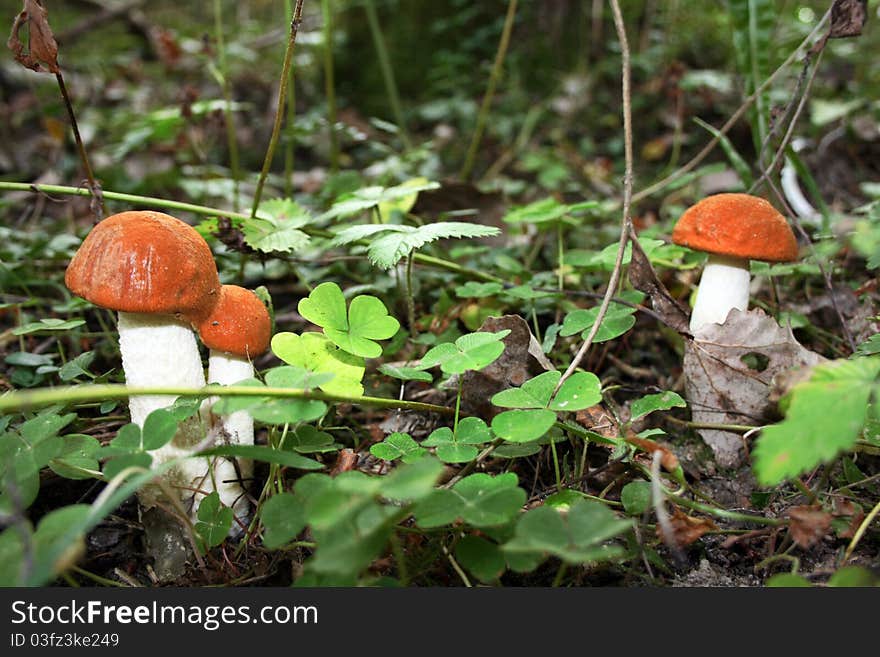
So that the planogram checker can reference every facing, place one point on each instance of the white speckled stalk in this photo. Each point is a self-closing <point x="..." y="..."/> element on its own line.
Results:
<point x="158" y="350"/>
<point x="238" y="427"/>
<point x="723" y="287"/>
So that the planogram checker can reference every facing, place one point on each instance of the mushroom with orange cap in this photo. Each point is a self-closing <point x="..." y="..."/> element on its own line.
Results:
<point x="733" y="229"/>
<point x="159" y="274"/>
<point x="237" y="330"/>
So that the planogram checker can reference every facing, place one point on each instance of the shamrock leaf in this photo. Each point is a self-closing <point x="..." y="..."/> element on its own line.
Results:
<point x="472" y="351"/>
<point x="367" y="319"/>
<point x="316" y="353"/>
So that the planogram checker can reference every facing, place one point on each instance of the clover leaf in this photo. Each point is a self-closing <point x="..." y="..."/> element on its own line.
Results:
<point x="316" y="353"/>
<point x="367" y="319"/>
<point x="472" y="351"/>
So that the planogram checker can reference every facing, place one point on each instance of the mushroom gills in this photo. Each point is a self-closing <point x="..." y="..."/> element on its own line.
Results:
<point x="724" y="286"/>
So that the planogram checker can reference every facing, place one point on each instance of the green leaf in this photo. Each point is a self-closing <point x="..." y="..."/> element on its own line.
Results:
<point x="115" y="465"/>
<point x="662" y="401"/>
<point x="283" y="519"/>
<point x="472" y="351"/>
<point x="298" y="378"/>
<point x="405" y="373"/>
<point x="52" y="324"/>
<point x="479" y="499"/>
<point x="576" y="537"/>
<point x="78" y="453"/>
<point x="753" y="34"/>
<point x="276" y="229"/>
<point x="853" y="576"/>
<point x="523" y="426"/>
<point x="787" y="580"/>
<point x="367" y="319"/>
<point x="412" y="482"/>
<point x="534" y="393"/>
<point x="540" y="212"/>
<point x="636" y="497"/>
<point x="267" y="454"/>
<point x="826" y="415"/>
<point x="369" y="197"/>
<point x="403" y="204"/>
<point x="307" y="439"/>
<point x="76" y="367"/>
<point x="474" y="290"/>
<point x="386" y="250"/>
<point x="398" y="446"/>
<point x="483" y="559"/>
<point x="618" y="320"/>
<point x="214" y="522"/>
<point x="316" y="353"/>
<point x="581" y="390"/>
<point x="159" y="428"/>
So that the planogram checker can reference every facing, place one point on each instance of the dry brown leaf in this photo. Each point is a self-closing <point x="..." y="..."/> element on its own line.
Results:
<point x="643" y="278"/>
<point x="808" y="525"/>
<point x="42" y="52"/>
<point x="521" y="360"/>
<point x="668" y="460"/>
<point x="347" y="460"/>
<point x="847" y="18"/>
<point x="686" y="529"/>
<point x="722" y="387"/>
<point x="843" y="508"/>
<point x="598" y="420"/>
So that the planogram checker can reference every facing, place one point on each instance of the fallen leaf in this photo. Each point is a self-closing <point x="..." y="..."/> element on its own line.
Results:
<point x="668" y="460"/>
<point x="347" y="460"/>
<point x="847" y="18"/>
<point x="685" y="529"/>
<point x="521" y="360"/>
<point x="42" y="52"/>
<point x="843" y="508"/>
<point x="644" y="279"/>
<point x="729" y="370"/>
<point x="598" y="420"/>
<point x="808" y="525"/>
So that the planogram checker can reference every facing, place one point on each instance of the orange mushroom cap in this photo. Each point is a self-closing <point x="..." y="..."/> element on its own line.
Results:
<point x="145" y="262"/>
<point x="239" y="323"/>
<point x="737" y="225"/>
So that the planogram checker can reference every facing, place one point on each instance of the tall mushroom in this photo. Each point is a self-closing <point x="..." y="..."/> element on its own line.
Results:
<point x="237" y="330"/>
<point x="732" y="229"/>
<point x="159" y="274"/>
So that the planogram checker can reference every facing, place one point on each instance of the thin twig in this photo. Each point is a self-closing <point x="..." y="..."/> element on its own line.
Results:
<point x="626" y="221"/>
<point x="483" y="116"/>
<point x="282" y="99"/>
<point x="699" y="157"/>
<point x="98" y="208"/>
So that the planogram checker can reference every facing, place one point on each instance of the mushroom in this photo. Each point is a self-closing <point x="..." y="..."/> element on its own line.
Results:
<point x="237" y="329"/>
<point x="159" y="274"/>
<point x="732" y="229"/>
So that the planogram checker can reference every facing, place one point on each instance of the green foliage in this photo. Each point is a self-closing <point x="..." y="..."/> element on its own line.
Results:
<point x="754" y="22"/>
<point x="537" y="404"/>
<point x="277" y="227"/>
<point x="398" y="446"/>
<point x="460" y="446"/>
<point x="578" y="536"/>
<point x="316" y="353"/>
<point x="399" y="240"/>
<point x="472" y="351"/>
<point x="825" y="416"/>
<point x="661" y="401"/>
<point x="618" y="320"/>
<point x="214" y="521"/>
<point x="367" y="319"/>
<point x="368" y="198"/>
<point x="480" y="500"/>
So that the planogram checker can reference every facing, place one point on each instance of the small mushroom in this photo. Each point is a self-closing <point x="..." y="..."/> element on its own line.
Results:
<point x="237" y="330"/>
<point x="159" y="274"/>
<point x="732" y="229"/>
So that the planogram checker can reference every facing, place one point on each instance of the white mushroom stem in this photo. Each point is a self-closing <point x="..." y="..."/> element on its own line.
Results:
<point x="158" y="350"/>
<point x="238" y="429"/>
<point x="723" y="287"/>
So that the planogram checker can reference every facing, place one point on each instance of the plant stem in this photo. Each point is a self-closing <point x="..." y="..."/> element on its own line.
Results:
<point x="329" y="85"/>
<point x="410" y="299"/>
<point x="290" y="144"/>
<point x="724" y="513"/>
<point x="282" y="98"/>
<point x="556" y="466"/>
<point x="17" y="400"/>
<point x="483" y="116"/>
<point x="94" y="188"/>
<point x="229" y="118"/>
<point x="387" y="71"/>
<point x="626" y="221"/>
